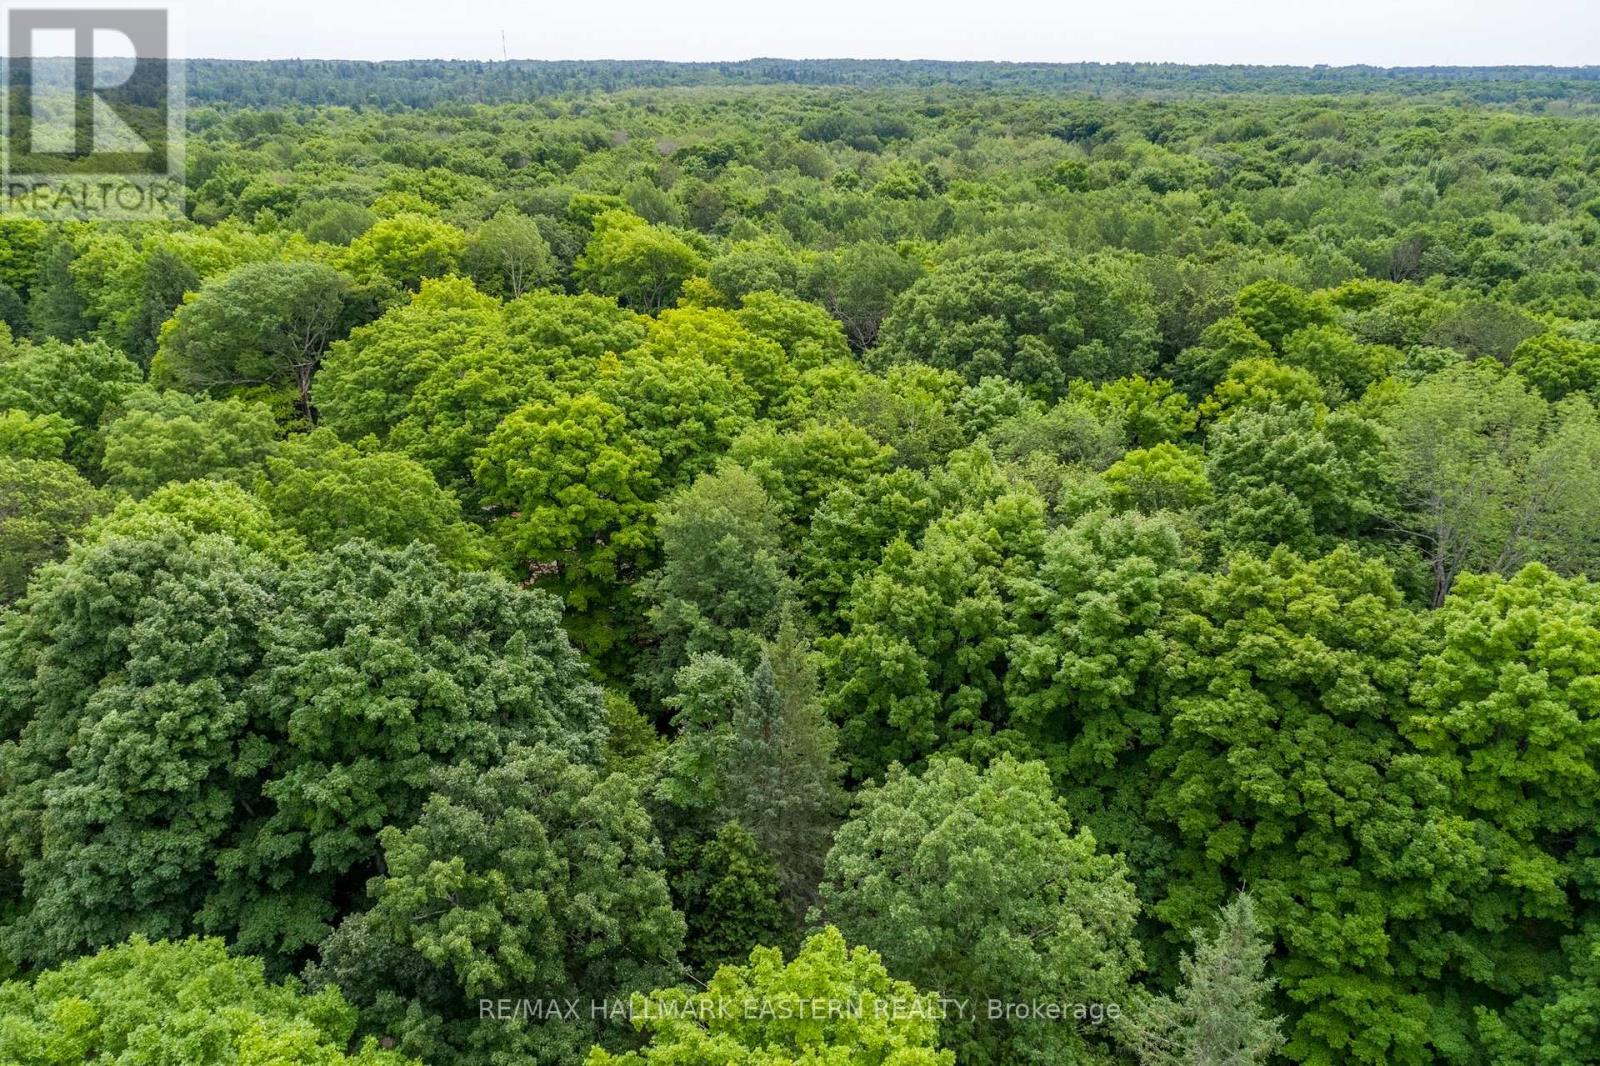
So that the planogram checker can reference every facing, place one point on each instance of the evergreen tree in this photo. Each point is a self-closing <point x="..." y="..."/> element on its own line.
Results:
<point x="166" y="278"/>
<point x="783" y="779"/>
<point x="56" y="307"/>
<point x="1218" y="1016"/>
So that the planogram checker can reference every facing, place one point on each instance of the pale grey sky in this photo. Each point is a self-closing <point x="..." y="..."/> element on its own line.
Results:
<point x="1385" y="32"/>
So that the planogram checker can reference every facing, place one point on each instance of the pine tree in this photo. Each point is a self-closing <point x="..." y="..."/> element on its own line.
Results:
<point x="783" y="779"/>
<point x="1218" y="1016"/>
<point x="56" y="307"/>
<point x="166" y="278"/>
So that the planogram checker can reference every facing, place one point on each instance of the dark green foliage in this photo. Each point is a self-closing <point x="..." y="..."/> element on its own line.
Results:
<point x="202" y="741"/>
<point x="1280" y="477"/>
<point x="56" y="308"/>
<point x="1285" y="770"/>
<point x="727" y="887"/>
<point x="533" y="877"/>
<point x="920" y="665"/>
<point x="260" y="324"/>
<point x="42" y="503"/>
<point x="782" y="777"/>
<point x="167" y="279"/>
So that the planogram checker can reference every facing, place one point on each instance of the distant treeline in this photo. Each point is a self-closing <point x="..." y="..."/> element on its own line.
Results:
<point x="424" y="83"/>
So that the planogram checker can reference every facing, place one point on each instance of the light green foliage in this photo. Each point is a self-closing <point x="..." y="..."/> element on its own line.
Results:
<point x="330" y="492"/>
<point x="508" y="255"/>
<point x="25" y="436"/>
<point x="632" y="743"/>
<point x="76" y="381"/>
<point x="723" y="583"/>
<point x="459" y="404"/>
<point x="686" y="409"/>
<point x="332" y="221"/>
<point x="1256" y="385"/>
<point x="921" y="860"/>
<point x="809" y="336"/>
<point x="1507" y="700"/>
<point x="642" y="265"/>
<point x="167" y="279"/>
<point x="1388" y="312"/>
<point x="709" y="691"/>
<point x="149" y="1004"/>
<point x="22" y="240"/>
<point x="1083" y="677"/>
<point x="1068" y="433"/>
<point x="799" y="468"/>
<point x="535" y="878"/>
<point x="368" y="379"/>
<point x="161" y="437"/>
<point x="576" y="488"/>
<point x="907" y="409"/>
<point x="569" y="334"/>
<point x="1152" y="412"/>
<point x="200" y="507"/>
<point x="760" y="266"/>
<point x="1337" y="359"/>
<point x="1031" y="317"/>
<point x="1275" y="311"/>
<point x="863" y="412"/>
<point x="404" y="249"/>
<point x="992" y="401"/>
<point x="1084" y="657"/>
<point x="1557" y="365"/>
<point x="42" y="503"/>
<point x="1163" y="478"/>
<point x="689" y="1028"/>
<point x="717" y="336"/>
<point x="258" y="324"/>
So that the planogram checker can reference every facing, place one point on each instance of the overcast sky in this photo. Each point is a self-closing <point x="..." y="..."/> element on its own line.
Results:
<point x="1386" y="32"/>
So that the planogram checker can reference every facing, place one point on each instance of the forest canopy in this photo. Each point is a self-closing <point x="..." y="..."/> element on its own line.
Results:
<point x="1121" y="543"/>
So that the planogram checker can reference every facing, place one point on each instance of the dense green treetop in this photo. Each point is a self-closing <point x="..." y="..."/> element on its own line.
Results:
<point x="191" y="1001"/>
<point x="199" y="738"/>
<point x="757" y="1014"/>
<point x="978" y="886"/>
